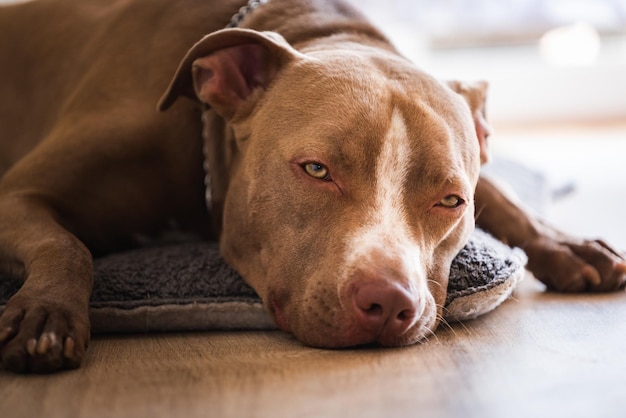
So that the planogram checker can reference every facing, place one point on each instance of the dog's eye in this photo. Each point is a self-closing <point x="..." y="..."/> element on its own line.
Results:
<point x="317" y="171"/>
<point x="451" y="202"/>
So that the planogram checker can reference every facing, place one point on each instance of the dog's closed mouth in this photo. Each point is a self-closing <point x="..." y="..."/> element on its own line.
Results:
<point x="278" y="313"/>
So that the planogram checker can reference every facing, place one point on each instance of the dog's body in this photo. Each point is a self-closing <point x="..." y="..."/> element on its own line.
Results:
<point x="342" y="177"/>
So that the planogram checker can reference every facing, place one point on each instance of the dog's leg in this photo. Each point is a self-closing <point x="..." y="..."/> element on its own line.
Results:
<point x="562" y="262"/>
<point x="45" y="326"/>
<point x="93" y="183"/>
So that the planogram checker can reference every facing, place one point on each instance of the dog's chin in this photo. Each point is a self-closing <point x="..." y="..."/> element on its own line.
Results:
<point x="352" y="339"/>
<point x="325" y="329"/>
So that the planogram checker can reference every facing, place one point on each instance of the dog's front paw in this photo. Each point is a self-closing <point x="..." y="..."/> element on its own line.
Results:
<point x="41" y="336"/>
<point x="576" y="266"/>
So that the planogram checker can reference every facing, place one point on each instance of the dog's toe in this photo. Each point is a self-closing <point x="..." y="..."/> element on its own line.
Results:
<point x="608" y="265"/>
<point x="42" y="339"/>
<point x="577" y="266"/>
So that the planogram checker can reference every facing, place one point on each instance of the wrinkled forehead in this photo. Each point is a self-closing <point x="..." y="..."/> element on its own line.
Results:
<point x="370" y="82"/>
<point x="356" y="97"/>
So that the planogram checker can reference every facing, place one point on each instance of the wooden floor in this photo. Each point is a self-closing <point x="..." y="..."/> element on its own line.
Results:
<point x="538" y="355"/>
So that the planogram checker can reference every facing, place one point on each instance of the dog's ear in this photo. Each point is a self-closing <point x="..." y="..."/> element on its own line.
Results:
<point x="228" y="68"/>
<point x="475" y="94"/>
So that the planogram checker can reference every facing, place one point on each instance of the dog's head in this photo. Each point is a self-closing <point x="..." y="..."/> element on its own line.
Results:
<point x="351" y="179"/>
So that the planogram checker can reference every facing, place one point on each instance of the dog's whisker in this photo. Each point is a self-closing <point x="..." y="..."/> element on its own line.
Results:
<point x="478" y="212"/>
<point x="462" y="325"/>
<point x="435" y="282"/>
<point x="431" y="333"/>
<point x="445" y="323"/>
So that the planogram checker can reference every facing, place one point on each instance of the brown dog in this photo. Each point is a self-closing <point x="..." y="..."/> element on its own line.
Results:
<point x="342" y="178"/>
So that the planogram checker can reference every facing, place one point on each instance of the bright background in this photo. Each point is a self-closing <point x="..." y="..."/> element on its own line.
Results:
<point x="547" y="60"/>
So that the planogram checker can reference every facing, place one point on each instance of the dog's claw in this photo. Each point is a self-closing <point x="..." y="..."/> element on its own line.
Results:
<point x="68" y="349"/>
<point x="47" y="341"/>
<point x="43" y="345"/>
<point x="31" y="347"/>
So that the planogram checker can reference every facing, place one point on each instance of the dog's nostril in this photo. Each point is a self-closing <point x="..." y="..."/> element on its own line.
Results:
<point x="406" y="315"/>
<point x="374" y="310"/>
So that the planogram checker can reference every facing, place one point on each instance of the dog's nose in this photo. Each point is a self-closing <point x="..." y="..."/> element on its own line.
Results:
<point x="384" y="308"/>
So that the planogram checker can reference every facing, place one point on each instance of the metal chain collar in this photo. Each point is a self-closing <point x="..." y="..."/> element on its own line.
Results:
<point x="244" y="11"/>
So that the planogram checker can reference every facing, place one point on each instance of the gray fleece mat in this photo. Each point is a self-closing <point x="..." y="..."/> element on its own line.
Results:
<point x="188" y="286"/>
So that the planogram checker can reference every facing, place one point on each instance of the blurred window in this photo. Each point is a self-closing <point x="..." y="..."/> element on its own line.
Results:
<point x="458" y="23"/>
